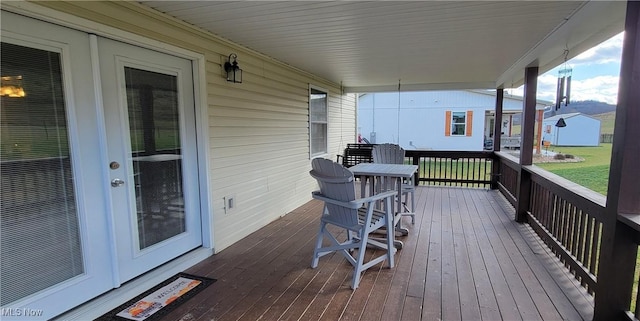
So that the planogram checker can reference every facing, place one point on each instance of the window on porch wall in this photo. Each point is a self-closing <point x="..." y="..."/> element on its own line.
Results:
<point x="317" y="122"/>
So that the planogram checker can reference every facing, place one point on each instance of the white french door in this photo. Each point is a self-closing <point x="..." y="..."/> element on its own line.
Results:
<point x="150" y="115"/>
<point x="55" y="251"/>
<point x="98" y="166"/>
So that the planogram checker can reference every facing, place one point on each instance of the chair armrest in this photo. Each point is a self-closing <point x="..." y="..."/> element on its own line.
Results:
<point x="355" y="204"/>
<point x="376" y="197"/>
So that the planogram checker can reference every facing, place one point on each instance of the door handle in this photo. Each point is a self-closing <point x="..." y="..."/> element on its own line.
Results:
<point x="117" y="182"/>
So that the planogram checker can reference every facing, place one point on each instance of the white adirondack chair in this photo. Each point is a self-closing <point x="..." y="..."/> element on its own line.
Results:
<point x="357" y="216"/>
<point x="394" y="154"/>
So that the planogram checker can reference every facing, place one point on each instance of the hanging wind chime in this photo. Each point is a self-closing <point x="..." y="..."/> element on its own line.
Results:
<point x="563" y="91"/>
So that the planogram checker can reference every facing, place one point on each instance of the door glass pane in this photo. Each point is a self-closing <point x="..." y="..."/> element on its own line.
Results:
<point x="154" y="128"/>
<point x="38" y="220"/>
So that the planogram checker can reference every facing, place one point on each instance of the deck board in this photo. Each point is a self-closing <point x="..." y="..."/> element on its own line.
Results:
<point x="505" y="254"/>
<point x="451" y="307"/>
<point x="541" y="299"/>
<point x="464" y="259"/>
<point x="469" y="302"/>
<point x="487" y="302"/>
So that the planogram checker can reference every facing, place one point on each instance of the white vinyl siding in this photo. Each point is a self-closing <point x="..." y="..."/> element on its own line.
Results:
<point x="258" y="130"/>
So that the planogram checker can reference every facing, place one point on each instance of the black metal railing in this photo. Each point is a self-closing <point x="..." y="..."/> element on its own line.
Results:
<point x="606" y="138"/>
<point x="452" y="168"/>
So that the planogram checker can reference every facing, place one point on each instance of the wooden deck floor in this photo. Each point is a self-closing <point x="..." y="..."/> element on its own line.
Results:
<point x="464" y="259"/>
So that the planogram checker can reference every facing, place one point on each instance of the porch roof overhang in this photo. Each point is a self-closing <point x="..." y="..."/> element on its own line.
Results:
<point x="423" y="45"/>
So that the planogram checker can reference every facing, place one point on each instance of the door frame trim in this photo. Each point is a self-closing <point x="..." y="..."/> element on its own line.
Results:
<point x="200" y="90"/>
<point x="95" y="72"/>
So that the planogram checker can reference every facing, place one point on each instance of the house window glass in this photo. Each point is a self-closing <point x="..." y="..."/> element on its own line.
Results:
<point x="317" y="122"/>
<point x="458" y="123"/>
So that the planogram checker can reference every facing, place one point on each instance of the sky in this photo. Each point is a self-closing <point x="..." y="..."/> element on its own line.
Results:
<point x="594" y="77"/>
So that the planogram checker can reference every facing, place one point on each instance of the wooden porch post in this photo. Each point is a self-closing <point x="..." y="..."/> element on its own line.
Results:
<point x="619" y="248"/>
<point x="497" y="123"/>
<point x="538" y="137"/>
<point x="526" y="142"/>
<point x="497" y="134"/>
<point x="510" y="125"/>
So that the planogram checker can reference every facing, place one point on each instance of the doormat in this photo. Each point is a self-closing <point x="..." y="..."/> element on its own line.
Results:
<point x="159" y="300"/>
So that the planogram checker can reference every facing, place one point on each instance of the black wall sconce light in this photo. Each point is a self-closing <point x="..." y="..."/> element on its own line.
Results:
<point x="234" y="73"/>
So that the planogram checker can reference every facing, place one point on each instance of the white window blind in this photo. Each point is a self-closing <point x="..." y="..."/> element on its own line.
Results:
<point x="38" y="221"/>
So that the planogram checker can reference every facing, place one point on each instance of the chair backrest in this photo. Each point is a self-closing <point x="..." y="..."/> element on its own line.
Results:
<point x="337" y="183"/>
<point x="388" y="154"/>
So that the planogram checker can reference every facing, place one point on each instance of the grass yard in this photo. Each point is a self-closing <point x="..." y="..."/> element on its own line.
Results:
<point x="592" y="173"/>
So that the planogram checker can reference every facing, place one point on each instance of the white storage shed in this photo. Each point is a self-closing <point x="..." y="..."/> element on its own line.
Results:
<point x="580" y="130"/>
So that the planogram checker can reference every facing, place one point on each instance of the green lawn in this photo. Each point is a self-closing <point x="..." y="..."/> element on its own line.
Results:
<point x="592" y="173"/>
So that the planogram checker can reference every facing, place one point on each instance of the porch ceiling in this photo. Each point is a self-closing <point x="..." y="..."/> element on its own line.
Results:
<point x="371" y="46"/>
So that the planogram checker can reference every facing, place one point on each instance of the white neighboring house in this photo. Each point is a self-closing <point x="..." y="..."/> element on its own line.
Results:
<point x="459" y="120"/>
<point x="581" y="130"/>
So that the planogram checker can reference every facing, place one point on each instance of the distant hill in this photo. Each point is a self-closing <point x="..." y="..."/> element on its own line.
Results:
<point x="588" y="107"/>
<point x="607" y="121"/>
